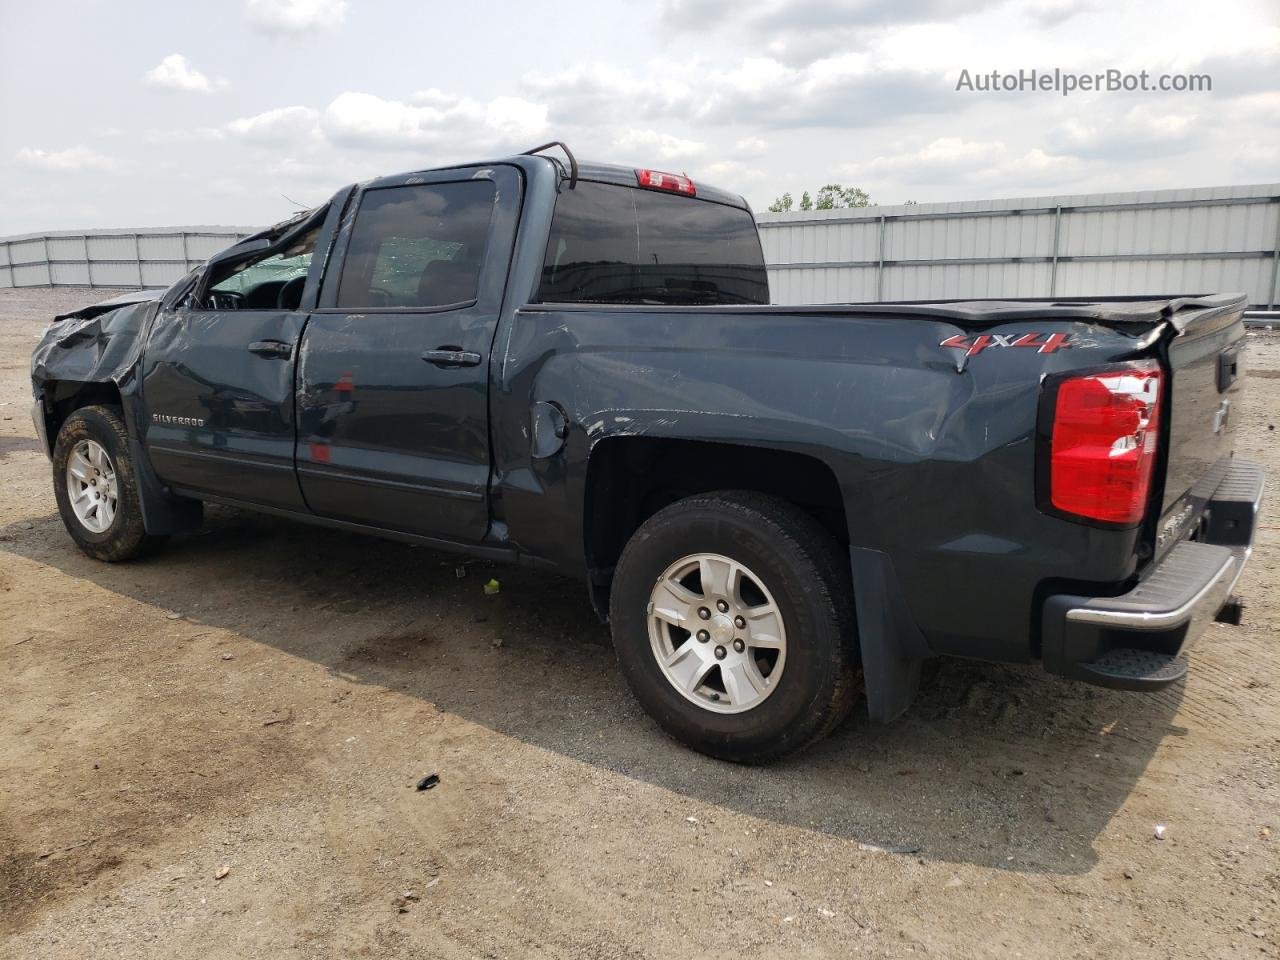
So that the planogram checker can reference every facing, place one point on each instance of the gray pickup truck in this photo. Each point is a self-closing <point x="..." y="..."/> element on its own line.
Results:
<point x="577" y="367"/>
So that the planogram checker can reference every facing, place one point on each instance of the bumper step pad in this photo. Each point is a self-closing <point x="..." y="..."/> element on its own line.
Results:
<point x="1129" y="669"/>
<point x="1134" y="641"/>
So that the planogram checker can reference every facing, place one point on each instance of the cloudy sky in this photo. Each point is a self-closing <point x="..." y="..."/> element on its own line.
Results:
<point x="120" y="113"/>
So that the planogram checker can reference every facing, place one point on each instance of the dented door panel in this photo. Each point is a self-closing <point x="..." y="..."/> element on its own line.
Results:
<point x="221" y="416"/>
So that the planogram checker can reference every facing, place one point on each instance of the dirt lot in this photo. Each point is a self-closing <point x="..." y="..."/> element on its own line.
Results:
<point x="263" y="696"/>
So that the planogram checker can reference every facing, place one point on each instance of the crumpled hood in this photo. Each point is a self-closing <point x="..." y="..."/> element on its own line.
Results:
<point x="98" y="344"/>
<point x="123" y="300"/>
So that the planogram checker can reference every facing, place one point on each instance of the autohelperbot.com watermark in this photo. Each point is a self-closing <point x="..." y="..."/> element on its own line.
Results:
<point x="1066" y="82"/>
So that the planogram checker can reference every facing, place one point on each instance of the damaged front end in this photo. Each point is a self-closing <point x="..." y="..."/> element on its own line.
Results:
<point x="95" y="348"/>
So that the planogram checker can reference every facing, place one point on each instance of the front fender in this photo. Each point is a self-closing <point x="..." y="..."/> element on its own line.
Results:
<point x="97" y="348"/>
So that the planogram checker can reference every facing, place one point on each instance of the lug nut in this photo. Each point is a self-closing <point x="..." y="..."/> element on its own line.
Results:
<point x="739" y="622"/>
<point x="721" y="653"/>
<point x="704" y="613"/>
<point x="739" y="646"/>
<point x="704" y="636"/>
<point x="722" y="606"/>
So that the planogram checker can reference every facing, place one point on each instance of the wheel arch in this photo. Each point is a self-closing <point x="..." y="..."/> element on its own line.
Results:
<point x="163" y="512"/>
<point x="61" y="398"/>
<point x="630" y="478"/>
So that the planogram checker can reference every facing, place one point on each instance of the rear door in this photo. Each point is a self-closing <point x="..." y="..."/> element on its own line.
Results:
<point x="393" y="371"/>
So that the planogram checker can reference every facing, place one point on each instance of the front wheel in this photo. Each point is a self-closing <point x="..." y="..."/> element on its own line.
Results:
<point x="733" y="623"/>
<point x="96" y="487"/>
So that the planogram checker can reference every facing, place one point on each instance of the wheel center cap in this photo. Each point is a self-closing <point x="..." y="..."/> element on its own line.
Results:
<point x="721" y="629"/>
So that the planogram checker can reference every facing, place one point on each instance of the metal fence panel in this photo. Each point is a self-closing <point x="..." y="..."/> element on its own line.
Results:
<point x="28" y="251"/>
<point x="110" y="258"/>
<point x="162" y="247"/>
<point x="1171" y="241"/>
<point x="116" y="274"/>
<point x="202" y="246"/>
<point x="69" y="274"/>
<point x="113" y="247"/>
<point x="31" y="275"/>
<point x="65" y="248"/>
<point x="160" y="274"/>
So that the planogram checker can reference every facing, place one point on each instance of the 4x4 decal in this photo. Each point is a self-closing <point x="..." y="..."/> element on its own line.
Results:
<point x="1040" y="342"/>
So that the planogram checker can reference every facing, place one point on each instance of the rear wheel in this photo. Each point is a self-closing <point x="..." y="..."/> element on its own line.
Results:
<point x="96" y="487"/>
<point x="733" y="623"/>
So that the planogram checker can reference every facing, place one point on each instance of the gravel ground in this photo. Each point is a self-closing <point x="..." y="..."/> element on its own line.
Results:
<point x="213" y="753"/>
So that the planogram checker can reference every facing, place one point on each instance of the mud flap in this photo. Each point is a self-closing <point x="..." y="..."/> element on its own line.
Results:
<point x="893" y="648"/>
<point x="163" y="512"/>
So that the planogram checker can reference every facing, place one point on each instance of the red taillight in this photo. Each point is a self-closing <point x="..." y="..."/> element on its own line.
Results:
<point x="1106" y="428"/>
<point x="672" y="182"/>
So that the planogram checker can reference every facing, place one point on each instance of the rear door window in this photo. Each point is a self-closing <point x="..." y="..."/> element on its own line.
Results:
<point x="616" y="244"/>
<point x="417" y="246"/>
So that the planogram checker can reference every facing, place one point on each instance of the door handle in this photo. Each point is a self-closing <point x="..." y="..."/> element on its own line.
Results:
<point x="274" y="349"/>
<point x="452" y="357"/>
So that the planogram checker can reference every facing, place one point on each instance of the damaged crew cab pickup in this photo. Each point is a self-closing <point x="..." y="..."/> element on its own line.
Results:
<point x="577" y="367"/>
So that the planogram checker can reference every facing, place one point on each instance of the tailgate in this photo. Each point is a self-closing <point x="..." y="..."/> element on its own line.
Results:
<point x="1206" y="364"/>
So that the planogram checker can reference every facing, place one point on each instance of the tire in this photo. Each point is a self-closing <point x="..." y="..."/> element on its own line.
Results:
<point x="788" y="563"/>
<point x="111" y="536"/>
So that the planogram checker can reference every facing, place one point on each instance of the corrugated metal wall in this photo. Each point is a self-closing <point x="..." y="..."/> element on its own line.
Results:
<point x="110" y="258"/>
<point x="1165" y="241"/>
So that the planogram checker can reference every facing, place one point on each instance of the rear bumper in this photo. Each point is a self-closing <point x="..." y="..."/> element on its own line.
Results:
<point x="1135" y="641"/>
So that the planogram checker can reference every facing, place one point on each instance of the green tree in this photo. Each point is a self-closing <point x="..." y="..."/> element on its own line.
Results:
<point x="833" y="197"/>
<point x="781" y="205"/>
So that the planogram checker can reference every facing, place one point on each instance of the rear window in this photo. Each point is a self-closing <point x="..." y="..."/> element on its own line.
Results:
<point x="617" y="244"/>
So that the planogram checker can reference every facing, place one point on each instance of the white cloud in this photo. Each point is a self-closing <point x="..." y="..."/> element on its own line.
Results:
<point x="850" y="89"/>
<point x="590" y="92"/>
<point x="296" y="17"/>
<point x="650" y="142"/>
<point x="944" y="153"/>
<point x="801" y="31"/>
<point x="1123" y="134"/>
<point x="1256" y="159"/>
<point x="175" y="72"/>
<point x="176" y="136"/>
<point x="74" y="158"/>
<point x="1050" y="13"/>
<point x="279" y="127"/>
<point x="731" y="174"/>
<point x="432" y="118"/>
<point x="989" y="162"/>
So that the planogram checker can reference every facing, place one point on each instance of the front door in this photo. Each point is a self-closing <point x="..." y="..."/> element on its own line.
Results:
<point x="218" y="377"/>
<point x="393" y="371"/>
